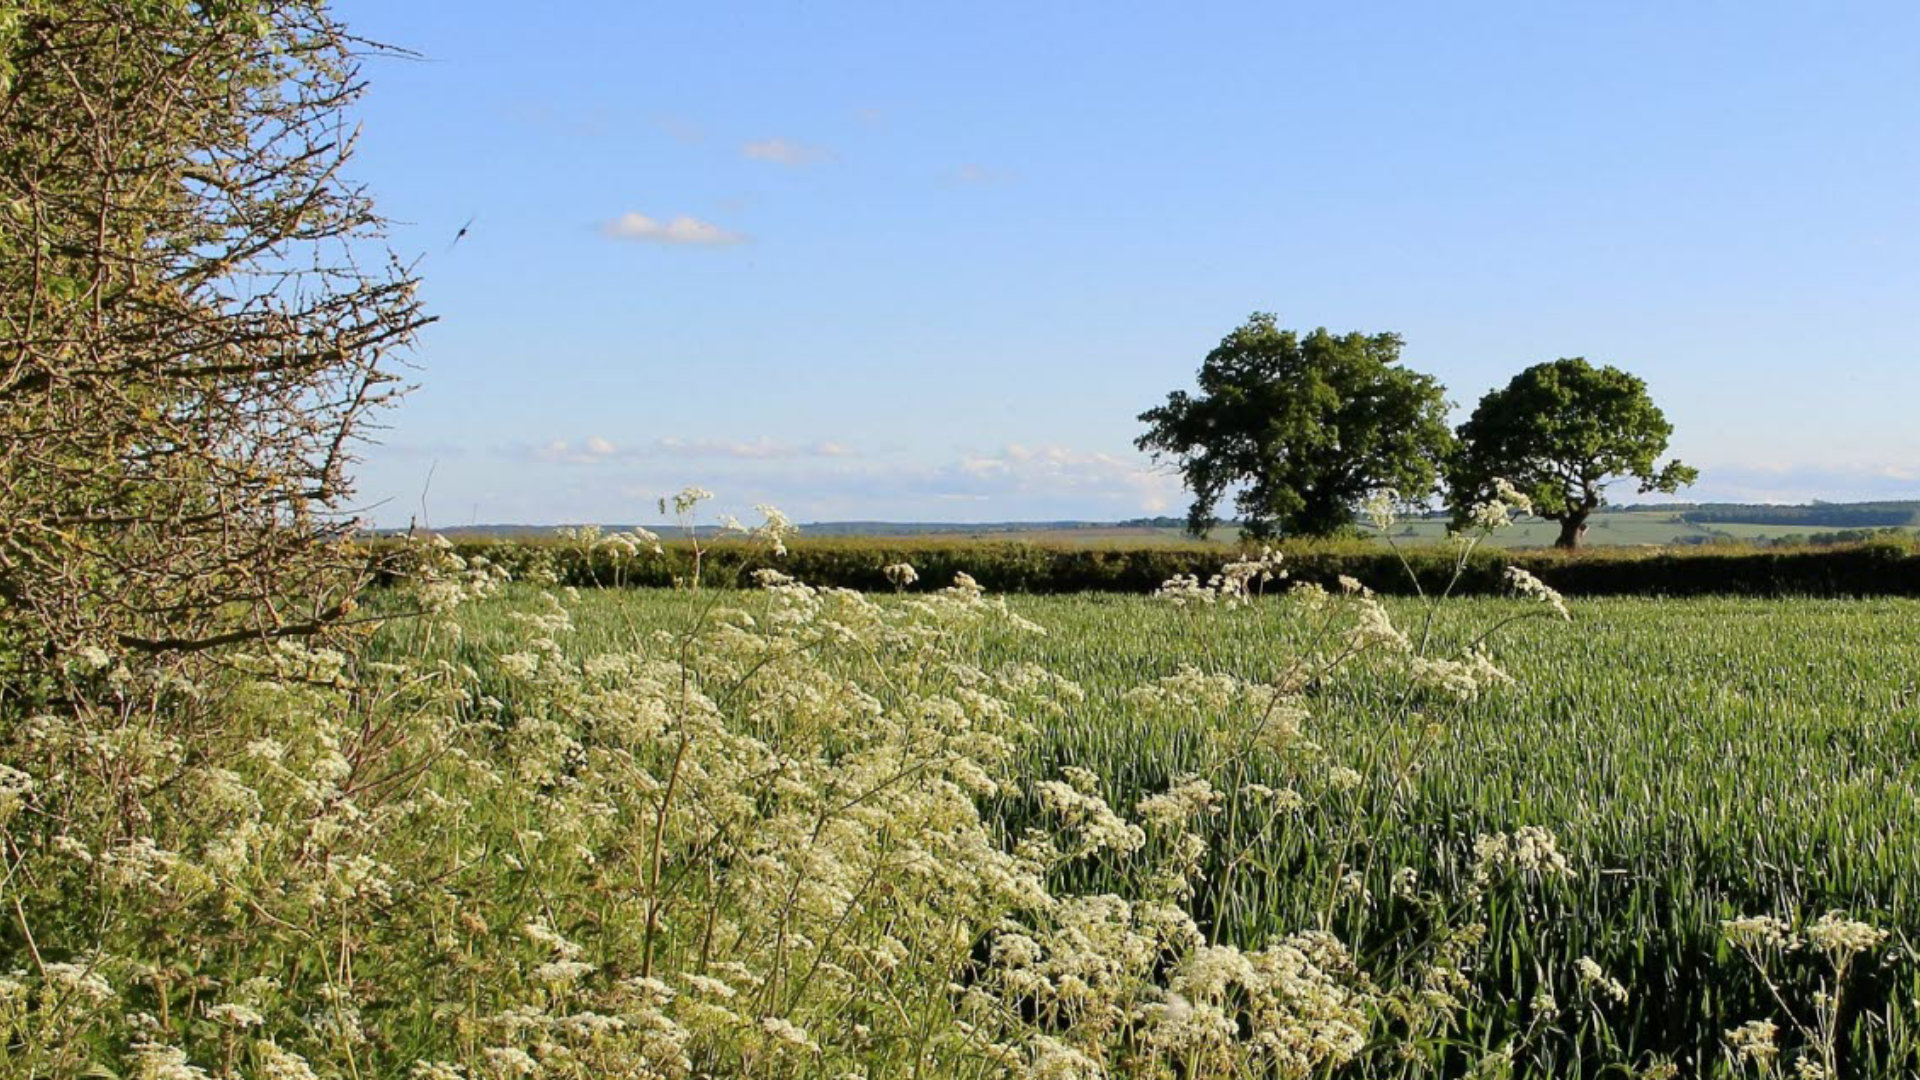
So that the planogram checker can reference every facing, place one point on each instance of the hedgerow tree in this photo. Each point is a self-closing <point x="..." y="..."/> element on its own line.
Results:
<point x="1304" y="426"/>
<point x="1560" y="432"/>
<point x="191" y="340"/>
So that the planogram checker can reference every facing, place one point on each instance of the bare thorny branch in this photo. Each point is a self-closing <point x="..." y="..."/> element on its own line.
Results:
<point x="191" y="348"/>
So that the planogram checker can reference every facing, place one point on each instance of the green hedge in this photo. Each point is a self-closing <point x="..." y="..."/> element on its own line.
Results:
<point x="1879" y="568"/>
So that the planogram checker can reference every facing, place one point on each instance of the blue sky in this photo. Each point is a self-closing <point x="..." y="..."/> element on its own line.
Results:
<point x="910" y="262"/>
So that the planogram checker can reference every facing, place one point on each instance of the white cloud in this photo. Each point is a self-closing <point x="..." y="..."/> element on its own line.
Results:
<point x="785" y="152"/>
<point x="594" y="449"/>
<point x="680" y="230"/>
<point x="760" y="449"/>
<point x="1060" y="473"/>
<point x="590" y="450"/>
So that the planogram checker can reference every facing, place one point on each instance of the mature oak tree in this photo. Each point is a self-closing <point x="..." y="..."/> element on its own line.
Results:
<point x="196" y="323"/>
<point x="1305" y="426"/>
<point x="1559" y="432"/>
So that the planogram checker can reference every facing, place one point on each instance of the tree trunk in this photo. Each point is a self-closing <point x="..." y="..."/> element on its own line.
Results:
<point x="1573" y="529"/>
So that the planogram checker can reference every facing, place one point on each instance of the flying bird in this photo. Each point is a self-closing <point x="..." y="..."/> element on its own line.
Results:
<point x="462" y="234"/>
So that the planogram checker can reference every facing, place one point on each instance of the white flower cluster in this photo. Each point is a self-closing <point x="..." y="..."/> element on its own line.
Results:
<point x="1373" y="628"/>
<point x="1752" y="1043"/>
<point x="440" y="579"/>
<point x="1834" y="939"/>
<point x="1759" y="932"/>
<point x="1498" y="510"/>
<point x="1380" y="508"/>
<point x="1240" y="581"/>
<point x="1085" y="816"/>
<point x="1530" y="850"/>
<point x="1462" y="679"/>
<point x="1839" y="935"/>
<point x="1594" y="979"/>
<point x="1832" y="933"/>
<point x="1523" y="583"/>
<point x="1236" y="584"/>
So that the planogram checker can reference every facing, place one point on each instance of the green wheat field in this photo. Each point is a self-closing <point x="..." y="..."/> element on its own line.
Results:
<point x="1697" y="759"/>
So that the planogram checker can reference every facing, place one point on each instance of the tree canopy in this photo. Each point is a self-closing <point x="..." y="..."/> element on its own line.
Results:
<point x="1301" y="427"/>
<point x="1560" y="432"/>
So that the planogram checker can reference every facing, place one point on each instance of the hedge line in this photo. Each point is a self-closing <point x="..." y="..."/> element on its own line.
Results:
<point x="1878" y="568"/>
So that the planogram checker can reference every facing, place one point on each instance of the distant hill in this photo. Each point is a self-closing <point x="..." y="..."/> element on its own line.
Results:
<point x="1856" y="515"/>
<point x="1656" y="524"/>
<point x="848" y="528"/>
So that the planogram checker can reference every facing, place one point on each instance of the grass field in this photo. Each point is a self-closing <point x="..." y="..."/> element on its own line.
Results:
<point x="1698" y="760"/>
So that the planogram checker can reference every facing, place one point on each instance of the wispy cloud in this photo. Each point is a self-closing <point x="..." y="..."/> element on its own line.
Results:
<point x="681" y="230"/>
<point x="761" y="449"/>
<point x="587" y="451"/>
<point x="680" y="129"/>
<point x="785" y="152"/>
<point x="543" y="116"/>
<point x="1799" y="482"/>
<point x="974" y="174"/>
<point x="404" y="450"/>
<point x="1058" y="472"/>
<point x="596" y="477"/>
<point x="594" y="449"/>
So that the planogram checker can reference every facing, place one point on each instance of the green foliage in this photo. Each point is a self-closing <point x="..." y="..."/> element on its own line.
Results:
<point x="1303" y="426"/>
<point x="1559" y="432"/>
<point x="1887" y="567"/>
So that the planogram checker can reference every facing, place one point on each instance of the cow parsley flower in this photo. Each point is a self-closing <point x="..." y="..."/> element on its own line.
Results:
<point x="1529" y="849"/>
<point x="1759" y="932"/>
<point x="158" y="1061"/>
<point x="237" y="1016"/>
<point x="510" y="1061"/>
<point x="1753" y="1042"/>
<point x="1836" y="934"/>
<point x="1189" y="797"/>
<point x="1594" y="978"/>
<point x="687" y="499"/>
<point x="1523" y="583"/>
<point x="80" y="982"/>
<point x="786" y="1033"/>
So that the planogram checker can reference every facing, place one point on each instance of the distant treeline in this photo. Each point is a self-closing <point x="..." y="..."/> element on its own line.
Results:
<point x="1886" y="566"/>
<point x="1868" y="515"/>
<point x="1837" y="537"/>
<point x="833" y="528"/>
